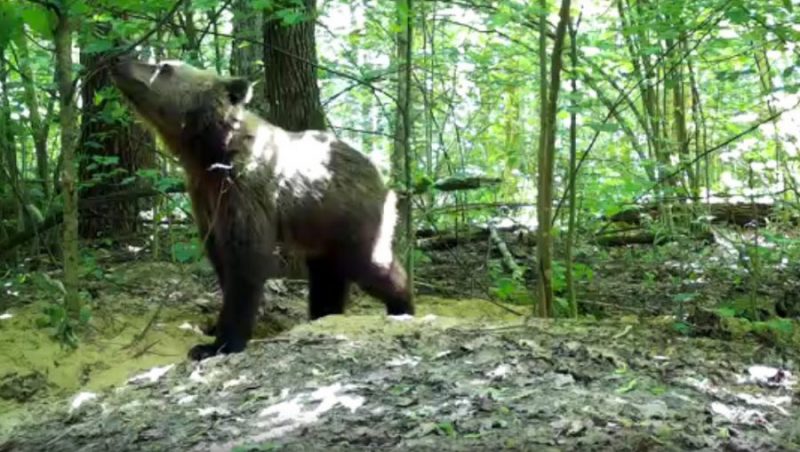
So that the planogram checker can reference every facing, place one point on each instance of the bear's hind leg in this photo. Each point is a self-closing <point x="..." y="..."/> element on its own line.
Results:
<point x="327" y="287"/>
<point x="389" y="285"/>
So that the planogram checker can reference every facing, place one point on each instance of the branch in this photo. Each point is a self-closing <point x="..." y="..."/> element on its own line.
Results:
<point x="627" y="92"/>
<point x="55" y="217"/>
<point x="702" y="155"/>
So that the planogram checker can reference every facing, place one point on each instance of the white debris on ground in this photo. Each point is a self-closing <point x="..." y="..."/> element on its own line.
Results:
<point x="768" y="376"/>
<point x="725" y="408"/>
<point x="403" y="360"/>
<point x="304" y="409"/>
<point x="186" y="326"/>
<point x="401" y="317"/>
<point x="152" y="375"/>
<point x="499" y="372"/>
<point x="80" y="399"/>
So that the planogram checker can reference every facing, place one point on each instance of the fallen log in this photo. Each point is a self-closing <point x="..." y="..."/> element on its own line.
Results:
<point x="507" y="258"/>
<point x="431" y="241"/>
<point x="455" y="183"/>
<point x="724" y="213"/>
<point x="647" y="238"/>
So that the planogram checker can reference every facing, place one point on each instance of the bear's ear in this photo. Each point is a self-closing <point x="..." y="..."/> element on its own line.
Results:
<point x="240" y="90"/>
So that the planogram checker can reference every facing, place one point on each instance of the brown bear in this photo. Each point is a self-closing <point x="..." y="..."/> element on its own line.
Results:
<point x="254" y="185"/>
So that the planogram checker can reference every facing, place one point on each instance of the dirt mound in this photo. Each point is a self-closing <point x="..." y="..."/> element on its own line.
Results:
<point x="370" y="382"/>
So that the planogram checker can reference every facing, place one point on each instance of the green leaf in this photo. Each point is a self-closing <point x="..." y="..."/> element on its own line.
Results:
<point x="682" y="327"/>
<point x="39" y="20"/>
<point x="630" y="386"/>
<point x="603" y="127"/>
<point x="85" y="314"/>
<point x="290" y="17"/>
<point x="10" y="25"/>
<point x="447" y="428"/>
<point x="781" y="325"/>
<point x="98" y="46"/>
<point x="186" y="251"/>
<point x="257" y="5"/>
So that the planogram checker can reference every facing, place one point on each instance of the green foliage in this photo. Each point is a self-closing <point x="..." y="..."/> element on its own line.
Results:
<point x="65" y="329"/>
<point x="508" y="288"/>
<point x="185" y="252"/>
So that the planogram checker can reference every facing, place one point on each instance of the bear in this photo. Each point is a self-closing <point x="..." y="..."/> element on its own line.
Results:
<point x="254" y="187"/>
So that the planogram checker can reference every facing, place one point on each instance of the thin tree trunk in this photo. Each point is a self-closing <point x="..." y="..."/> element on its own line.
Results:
<point x="765" y="77"/>
<point x="9" y="174"/>
<point x="544" y="286"/>
<point x="409" y="226"/>
<point x="573" y="188"/>
<point x="544" y="243"/>
<point x="69" y="132"/>
<point x="401" y="155"/>
<point x="192" y="45"/>
<point x="38" y="128"/>
<point x="246" y="52"/>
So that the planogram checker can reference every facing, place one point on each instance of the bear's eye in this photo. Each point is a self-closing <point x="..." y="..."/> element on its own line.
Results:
<point x="165" y="69"/>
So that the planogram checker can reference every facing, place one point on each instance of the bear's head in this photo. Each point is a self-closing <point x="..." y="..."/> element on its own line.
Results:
<point x="183" y="103"/>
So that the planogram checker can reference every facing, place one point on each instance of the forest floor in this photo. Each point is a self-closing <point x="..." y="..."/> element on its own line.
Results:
<point x="462" y="375"/>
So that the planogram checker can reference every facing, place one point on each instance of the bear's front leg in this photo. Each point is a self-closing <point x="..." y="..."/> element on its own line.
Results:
<point x="247" y="261"/>
<point x="236" y="319"/>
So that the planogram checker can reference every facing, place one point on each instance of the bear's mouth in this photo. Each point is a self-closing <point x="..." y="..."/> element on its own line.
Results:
<point x="132" y="88"/>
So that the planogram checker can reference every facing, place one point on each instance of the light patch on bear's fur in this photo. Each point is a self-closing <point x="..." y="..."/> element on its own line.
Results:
<point x="259" y="147"/>
<point x="249" y="95"/>
<point x="307" y="161"/>
<point x="160" y="65"/>
<point x="382" y="254"/>
<point x="154" y="76"/>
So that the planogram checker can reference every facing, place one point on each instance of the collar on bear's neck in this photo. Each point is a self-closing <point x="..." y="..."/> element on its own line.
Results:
<point x="207" y="140"/>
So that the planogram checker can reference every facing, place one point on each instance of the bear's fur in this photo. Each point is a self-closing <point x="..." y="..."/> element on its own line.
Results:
<point x="254" y="185"/>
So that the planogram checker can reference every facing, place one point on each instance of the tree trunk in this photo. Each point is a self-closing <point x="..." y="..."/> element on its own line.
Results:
<point x="39" y="128"/>
<point x="102" y="137"/>
<point x="543" y="284"/>
<point x="573" y="173"/>
<point x="544" y="207"/>
<point x="290" y="59"/>
<point x="192" y="45"/>
<point x="69" y="132"/>
<point x="401" y="153"/>
<point x="246" y="53"/>
<point x="9" y="173"/>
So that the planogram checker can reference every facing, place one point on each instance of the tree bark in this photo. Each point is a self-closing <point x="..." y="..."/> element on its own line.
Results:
<point x="573" y="173"/>
<point x="290" y="58"/>
<point x="247" y="55"/>
<point x="9" y="173"/>
<point x="39" y="128"/>
<point x="104" y="136"/>
<point x="69" y="132"/>
<point x="401" y="152"/>
<point x="544" y="246"/>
